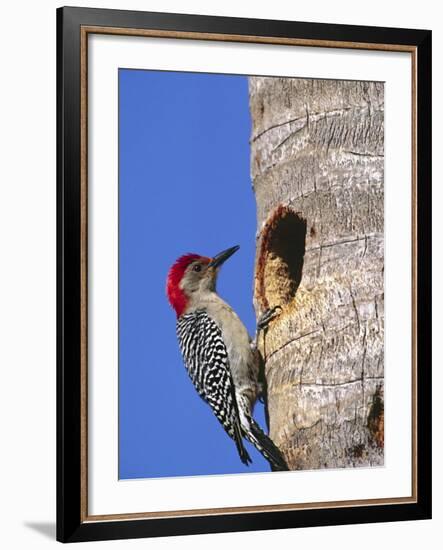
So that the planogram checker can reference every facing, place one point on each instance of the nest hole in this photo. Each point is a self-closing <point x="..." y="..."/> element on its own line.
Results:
<point x="281" y="258"/>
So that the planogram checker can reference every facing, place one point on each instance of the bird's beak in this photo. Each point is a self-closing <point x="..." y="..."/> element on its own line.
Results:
<point x="222" y="256"/>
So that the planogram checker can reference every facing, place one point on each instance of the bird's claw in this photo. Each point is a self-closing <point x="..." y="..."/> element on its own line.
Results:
<point x="268" y="316"/>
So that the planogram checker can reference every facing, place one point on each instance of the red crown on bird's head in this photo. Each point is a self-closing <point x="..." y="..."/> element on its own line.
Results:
<point x="177" y="298"/>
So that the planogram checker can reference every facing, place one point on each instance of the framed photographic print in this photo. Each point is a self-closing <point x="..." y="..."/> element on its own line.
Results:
<point x="244" y="274"/>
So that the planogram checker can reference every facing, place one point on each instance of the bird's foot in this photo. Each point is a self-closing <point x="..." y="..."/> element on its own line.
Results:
<point x="267" y="316"/>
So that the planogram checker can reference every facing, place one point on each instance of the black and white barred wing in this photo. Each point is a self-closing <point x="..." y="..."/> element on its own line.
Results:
<point x="206" y="360"/>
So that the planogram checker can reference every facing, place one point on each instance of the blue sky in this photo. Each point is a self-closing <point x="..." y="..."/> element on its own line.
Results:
<point x="184" y="186"/>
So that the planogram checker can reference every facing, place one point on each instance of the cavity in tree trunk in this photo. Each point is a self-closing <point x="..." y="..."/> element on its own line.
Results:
<point x="317" y="157"/>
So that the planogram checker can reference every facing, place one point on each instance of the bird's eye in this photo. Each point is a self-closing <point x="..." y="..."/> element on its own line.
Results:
<point x="197" y="267"/>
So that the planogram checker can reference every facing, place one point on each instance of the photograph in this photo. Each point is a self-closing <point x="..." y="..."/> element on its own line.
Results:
<point x="243" y="276"/>
<point x="217" y="288"/>
<point x="251" y="273"/>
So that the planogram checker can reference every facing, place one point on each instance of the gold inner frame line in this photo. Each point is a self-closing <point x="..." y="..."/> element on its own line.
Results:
<point x="84" y="32"/>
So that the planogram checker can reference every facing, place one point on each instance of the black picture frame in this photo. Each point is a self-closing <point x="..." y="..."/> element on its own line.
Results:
<point x="71" y="523"/>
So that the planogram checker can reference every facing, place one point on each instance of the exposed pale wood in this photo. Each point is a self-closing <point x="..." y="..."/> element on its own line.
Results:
<point x="318" y="160"/>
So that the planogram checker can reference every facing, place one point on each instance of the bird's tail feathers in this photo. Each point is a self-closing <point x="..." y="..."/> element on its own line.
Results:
<point x="266" y="446"/>
<point x="243" y="453"/>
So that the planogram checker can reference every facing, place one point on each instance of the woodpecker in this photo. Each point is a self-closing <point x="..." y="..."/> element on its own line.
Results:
<point x="220" y="358"/>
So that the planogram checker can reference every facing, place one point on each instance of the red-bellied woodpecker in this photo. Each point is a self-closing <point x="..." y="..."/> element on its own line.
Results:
<point x="219" y="356"/>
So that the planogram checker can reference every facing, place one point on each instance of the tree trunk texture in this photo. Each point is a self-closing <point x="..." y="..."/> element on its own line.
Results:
<point x="317" y="161"/>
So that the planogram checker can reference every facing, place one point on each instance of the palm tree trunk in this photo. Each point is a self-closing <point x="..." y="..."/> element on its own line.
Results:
<point x="317" y="160"/>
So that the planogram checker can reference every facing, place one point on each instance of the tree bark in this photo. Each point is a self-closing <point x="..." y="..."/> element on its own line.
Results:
<point x="317" y="162"/>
